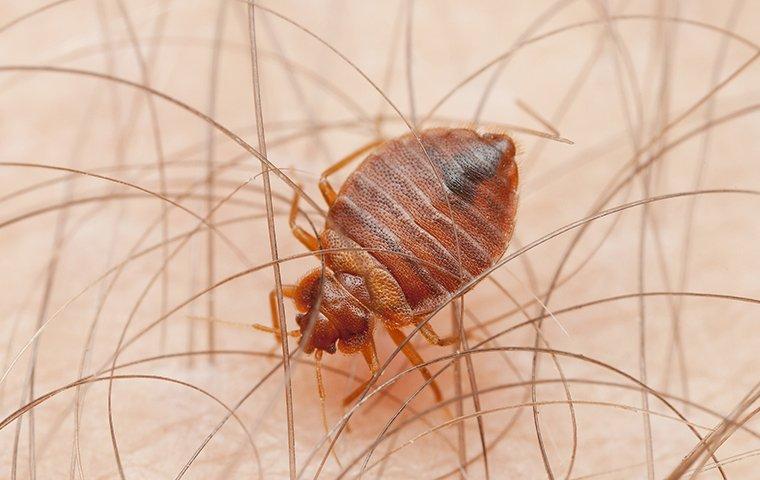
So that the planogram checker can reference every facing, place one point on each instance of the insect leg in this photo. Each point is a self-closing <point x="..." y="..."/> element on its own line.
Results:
<point x="433" y="338"/>
<point x="307" y="239"/>
<point x="370" y="356"/>
<point x="288" y="291"/>
<point x="324" y="185"/>
<point x="415" y="358"/>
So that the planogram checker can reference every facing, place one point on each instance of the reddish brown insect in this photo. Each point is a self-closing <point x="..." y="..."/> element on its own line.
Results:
<point x="398" y="205"/>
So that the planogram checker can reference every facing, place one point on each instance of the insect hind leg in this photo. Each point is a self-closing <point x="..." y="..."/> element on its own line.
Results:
<point x="427" y="331"/>
<point x="328" y="192"/>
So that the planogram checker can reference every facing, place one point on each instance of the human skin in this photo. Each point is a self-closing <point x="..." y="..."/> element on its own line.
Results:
<point x="646" y="284"/>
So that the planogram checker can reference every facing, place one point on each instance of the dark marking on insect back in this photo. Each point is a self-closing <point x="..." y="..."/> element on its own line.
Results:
<point x="468" y="168"/>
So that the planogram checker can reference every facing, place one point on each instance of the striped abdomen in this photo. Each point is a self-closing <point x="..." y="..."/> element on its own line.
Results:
<point x="400" y="207"/>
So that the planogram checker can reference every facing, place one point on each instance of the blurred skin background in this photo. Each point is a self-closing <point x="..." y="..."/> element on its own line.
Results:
<point x="629" y="343"/>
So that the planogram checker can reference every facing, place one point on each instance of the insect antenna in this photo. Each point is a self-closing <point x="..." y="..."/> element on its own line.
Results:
<point x="322" y="397"/>
<point x="246" y="326"/>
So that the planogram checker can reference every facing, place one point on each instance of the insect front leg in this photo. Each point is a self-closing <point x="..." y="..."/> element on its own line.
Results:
<point x="370" y="356"/>
<point x="288" y="291"/>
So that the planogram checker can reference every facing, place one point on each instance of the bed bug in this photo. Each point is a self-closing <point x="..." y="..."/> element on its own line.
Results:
<point x="414" y="225"/>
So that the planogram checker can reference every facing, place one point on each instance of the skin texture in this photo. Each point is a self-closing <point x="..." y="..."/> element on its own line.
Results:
<point x="614" y="89"/>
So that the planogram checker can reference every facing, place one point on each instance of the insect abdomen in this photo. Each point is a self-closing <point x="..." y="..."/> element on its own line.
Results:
<point x="398" y="202"/>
